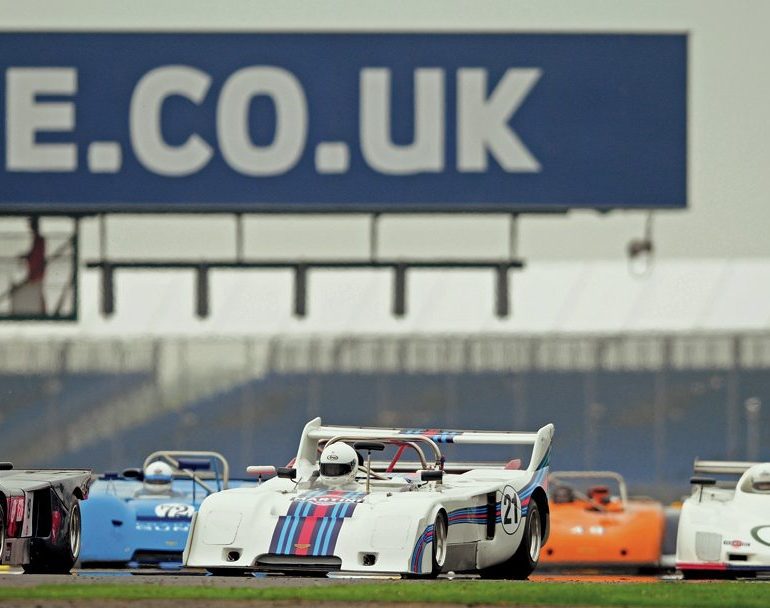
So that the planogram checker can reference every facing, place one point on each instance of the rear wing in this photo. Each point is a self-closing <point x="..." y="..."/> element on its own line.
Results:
<point x="721" y="467"/>
<point x="540" y="441"/>
<point x="65" y="482"/>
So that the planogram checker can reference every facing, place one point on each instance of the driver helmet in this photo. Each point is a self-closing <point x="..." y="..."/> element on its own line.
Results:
<point x="760" y="479"/>
<point x="599" y="494"/>
<point x="338" y="464"/>
<point x="157" y="477"/>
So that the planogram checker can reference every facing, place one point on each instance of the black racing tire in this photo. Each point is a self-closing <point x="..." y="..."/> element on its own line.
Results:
<point x="101" y="565"/>
<point x="47" y="559"/>
<point x="439" y="544"/>
<point x="226" y="571"/>
<point x="2" y="530"/>
<point x="703" y="575"/>
<point x="524" y="560"/>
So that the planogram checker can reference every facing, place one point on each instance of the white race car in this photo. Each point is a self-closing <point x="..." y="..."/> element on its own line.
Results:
<point x="336" y="511"/>
<point x="724" y="527"/>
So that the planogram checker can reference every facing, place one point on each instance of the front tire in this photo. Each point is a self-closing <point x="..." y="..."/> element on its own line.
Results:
<point x="439" y="544"/>
<point x="58" y="559"/>
<point x="2" y="531"/>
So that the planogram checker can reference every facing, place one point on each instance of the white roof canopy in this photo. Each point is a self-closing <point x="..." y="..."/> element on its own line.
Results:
<point x="596" y="297"/>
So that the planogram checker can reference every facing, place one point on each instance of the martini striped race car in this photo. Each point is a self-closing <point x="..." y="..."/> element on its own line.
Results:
<point x="414" y="513"/>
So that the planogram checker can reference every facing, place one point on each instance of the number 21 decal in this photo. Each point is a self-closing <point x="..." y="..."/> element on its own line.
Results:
<point x="510" y="510"/>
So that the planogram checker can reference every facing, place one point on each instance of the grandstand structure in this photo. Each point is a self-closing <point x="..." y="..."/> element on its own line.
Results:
<point x="677" y="368"/>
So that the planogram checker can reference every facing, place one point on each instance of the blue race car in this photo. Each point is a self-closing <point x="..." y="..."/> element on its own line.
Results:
<point x="142" y="516"/>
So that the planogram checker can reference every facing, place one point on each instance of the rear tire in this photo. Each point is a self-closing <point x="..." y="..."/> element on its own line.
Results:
<point x="59" y="559"/>
<point x="523" y="562"/>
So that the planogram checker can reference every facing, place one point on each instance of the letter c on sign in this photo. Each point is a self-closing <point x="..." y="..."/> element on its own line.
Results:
<point x="146" y="134"/>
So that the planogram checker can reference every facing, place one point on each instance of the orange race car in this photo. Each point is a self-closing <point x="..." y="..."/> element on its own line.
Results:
<point x="593" y="526"/>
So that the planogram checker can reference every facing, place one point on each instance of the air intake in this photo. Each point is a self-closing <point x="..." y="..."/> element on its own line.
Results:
<point x="708" y="546"/>
<point x="307" y="563"/>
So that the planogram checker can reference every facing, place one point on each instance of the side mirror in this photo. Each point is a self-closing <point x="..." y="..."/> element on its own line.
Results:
<point x="6" y="466"/>
<point x="369" y="446"/>
<point x="702" y="482"/>
<point x="137" y="474"/>
<point x="261" y="471"/>
<point x="436" y="475"/>
<point x="286" y="472"/>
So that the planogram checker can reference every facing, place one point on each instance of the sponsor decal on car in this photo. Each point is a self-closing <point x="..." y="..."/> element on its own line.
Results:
<point x="158" y="526"/>
<point x="761" y="534"/>
<point x="174" y="511"/>
<point x="329" y="498"/>
<point x="736" y="543"/>
<point x="165" y="517"/>
<point x="437" y="435"/>
<point x="313" y="522"/>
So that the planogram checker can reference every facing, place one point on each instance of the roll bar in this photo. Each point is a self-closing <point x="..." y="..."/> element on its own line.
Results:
<point x="401" y="440"/>
<point x="172" y="457"/>
<point x="616" y="477"/>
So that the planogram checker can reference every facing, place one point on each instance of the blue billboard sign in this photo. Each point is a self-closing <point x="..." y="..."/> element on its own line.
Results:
<point x="95" y="122"/>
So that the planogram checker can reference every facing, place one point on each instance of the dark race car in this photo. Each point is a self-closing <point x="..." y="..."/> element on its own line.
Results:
<point x="40" y="517"/>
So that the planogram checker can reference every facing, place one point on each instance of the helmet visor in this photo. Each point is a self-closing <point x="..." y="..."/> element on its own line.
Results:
<point x="335" y="469"/>
<point x="157" y="480"/>
<point x="762" y="486"/>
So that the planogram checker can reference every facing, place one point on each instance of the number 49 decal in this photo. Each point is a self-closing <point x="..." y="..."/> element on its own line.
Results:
<point x="510" y="510"/>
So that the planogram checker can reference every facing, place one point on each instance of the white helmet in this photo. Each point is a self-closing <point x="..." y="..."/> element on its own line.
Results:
<point x="157" y="477"/>
<point x="338" y="464"/>
<point x="760" y="479"/>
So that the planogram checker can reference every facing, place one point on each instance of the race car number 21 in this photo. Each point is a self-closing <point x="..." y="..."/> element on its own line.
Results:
<point x="510" y="510"/>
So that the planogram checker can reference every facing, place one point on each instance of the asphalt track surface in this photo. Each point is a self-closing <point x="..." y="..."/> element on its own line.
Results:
<point x="14" y="577"/>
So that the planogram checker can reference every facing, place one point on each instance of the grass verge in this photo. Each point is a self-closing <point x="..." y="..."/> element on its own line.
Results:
<point x="743" y="594"/>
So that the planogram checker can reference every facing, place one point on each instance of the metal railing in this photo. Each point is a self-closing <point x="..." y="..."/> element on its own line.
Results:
<point x="258" y="356"/>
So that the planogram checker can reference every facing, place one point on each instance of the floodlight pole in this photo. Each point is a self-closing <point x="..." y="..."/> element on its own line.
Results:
<point x="239" y="237"/>
<point x="374" y="236"/>
<point x="503" y="280"/>
<point x="513" y="238"/>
